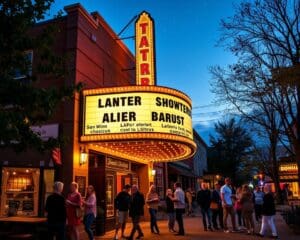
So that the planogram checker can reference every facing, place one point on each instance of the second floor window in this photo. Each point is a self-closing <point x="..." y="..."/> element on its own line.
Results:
<point x="23" y="74"/>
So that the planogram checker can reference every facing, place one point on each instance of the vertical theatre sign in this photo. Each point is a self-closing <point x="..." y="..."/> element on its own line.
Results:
<point x="144" y="46"/>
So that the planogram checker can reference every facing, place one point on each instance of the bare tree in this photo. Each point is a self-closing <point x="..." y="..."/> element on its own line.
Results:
<point x="265" y="37"/>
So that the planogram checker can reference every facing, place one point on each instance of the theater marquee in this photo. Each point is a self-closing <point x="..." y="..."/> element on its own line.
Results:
<point x="157" y="118"/>
<point x="137" y="112"/>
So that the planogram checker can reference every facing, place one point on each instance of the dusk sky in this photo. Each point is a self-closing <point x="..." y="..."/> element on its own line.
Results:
<point x="186" y="33"/>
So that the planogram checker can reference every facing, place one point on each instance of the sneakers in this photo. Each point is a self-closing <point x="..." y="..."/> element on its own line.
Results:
<point x="226" y="231"/>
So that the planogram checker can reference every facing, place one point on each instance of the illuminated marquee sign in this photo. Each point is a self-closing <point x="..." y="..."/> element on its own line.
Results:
<point x="145" y="66"/>
<point x="292" y="167"/>
<point x="139" y="111"/>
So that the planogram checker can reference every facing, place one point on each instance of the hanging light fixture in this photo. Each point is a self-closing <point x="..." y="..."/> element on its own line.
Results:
<point x="83" y="156"/>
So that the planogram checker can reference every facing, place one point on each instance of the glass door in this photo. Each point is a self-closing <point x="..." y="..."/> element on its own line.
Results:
<point x="110" y="195"/>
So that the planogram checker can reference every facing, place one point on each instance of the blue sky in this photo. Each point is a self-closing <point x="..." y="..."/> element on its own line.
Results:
<point x="186" y="33"/>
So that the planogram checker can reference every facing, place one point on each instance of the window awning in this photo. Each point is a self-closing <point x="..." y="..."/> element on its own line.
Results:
<point x="175" y="169"/>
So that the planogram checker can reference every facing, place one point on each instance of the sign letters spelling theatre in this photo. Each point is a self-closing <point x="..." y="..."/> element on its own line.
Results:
<point x="143" y="122"/>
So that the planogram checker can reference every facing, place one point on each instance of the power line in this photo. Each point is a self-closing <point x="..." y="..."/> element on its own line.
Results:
<point x="205" y="106"/>
<point x="208" y="113"/>
<point x="209" y="120"/>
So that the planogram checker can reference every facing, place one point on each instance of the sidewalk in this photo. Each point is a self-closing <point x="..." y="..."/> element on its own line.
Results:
<point x="194" y="231"/>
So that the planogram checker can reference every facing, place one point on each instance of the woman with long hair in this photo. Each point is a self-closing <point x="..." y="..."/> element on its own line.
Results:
<point x="90" y="206"/>
<point x="247" y="208"/>
<point x="152" y="201"/>
<point x="73" y="202"/>
<point x="238" y="207"/>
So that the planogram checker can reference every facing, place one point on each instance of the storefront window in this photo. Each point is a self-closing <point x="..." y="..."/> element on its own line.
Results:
<point x="20" y="191"/>
<point x="110" y="183"/>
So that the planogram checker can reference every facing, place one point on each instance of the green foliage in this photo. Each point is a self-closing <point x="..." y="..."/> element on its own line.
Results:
<point x="229" y="149"/>
<point x="23" y="103"/>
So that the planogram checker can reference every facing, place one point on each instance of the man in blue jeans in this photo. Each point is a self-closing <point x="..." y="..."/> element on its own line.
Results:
<point x="227" y="204"/>
<point x="204" y="200"/>
<point x="179" y="205"/>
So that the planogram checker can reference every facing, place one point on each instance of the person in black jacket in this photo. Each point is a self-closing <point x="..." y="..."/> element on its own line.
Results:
<point x="170" y="210"/>
<point x="268" y="213"/>
<point x="204" y="200"/>
<point x="122" y="202"/>
<point x="217" y="212"/>
<point x="136" y="210"/>
<point x="56" y="213"/>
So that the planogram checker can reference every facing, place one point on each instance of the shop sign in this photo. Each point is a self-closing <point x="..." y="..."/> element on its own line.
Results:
<point x="145" y="65"/>
<point x="137" y="112"/>
<point x="117" y="163"/>
<point x="288" y="177"/>
<point x="288" y="167"/>
<point x="46" y="131"/>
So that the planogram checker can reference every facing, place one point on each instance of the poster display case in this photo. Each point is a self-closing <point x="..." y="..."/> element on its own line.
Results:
<point x="110" y="195"/>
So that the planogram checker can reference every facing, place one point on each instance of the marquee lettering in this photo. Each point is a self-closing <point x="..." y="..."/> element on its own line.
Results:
<point x="167" y="117"/>
<point x="120" y="101"/>
<point x="119" y="117"/>
<point x="145" y="69"/>
<point x="144" y="42"/>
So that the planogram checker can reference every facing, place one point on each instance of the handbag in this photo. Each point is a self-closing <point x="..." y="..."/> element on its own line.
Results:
<point x="79" y="212"/>
<point x="214" y="206"/>
<point x="237" y="205"/>
<point x="248" y="206"/>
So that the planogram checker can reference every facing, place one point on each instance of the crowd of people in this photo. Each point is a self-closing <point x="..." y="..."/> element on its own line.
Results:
<point x="216" y="205"/>
<point x="133" y="206"/>
<point x="243" y="205"/>
<point x="64" y="215"/>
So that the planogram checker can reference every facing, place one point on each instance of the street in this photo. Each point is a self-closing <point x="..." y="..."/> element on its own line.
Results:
<point x="194" y="231"/>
